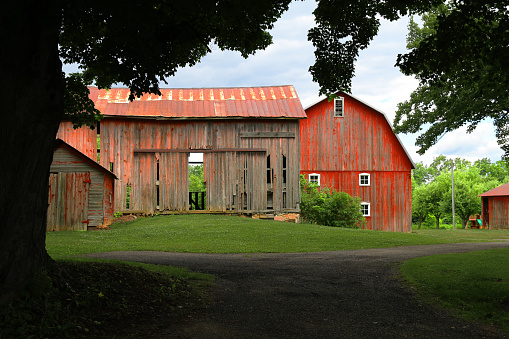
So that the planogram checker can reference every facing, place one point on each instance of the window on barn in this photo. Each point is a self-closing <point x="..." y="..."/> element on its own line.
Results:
<point x="314" y="177"/>
<point x="365" y="209"/>
<point x="364" y="179"/>
<point x="339" y="107"/>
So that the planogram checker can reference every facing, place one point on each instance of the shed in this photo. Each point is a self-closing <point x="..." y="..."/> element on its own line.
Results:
<point x="81" y="192"/>
<point x="495" y="208"/>
<point x="249" y="138"/>
<point x="348" y="145"/>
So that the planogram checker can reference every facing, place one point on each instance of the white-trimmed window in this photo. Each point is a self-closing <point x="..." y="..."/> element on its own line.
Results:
<point x="364" y="179"/>
<point x="314" y="177"/>
<point x="365" y="209"/>
<point x="339" y="107"/>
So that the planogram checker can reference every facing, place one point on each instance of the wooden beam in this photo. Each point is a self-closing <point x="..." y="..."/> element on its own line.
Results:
<point x="267" y="134"/>
<point x="208" y="150"/>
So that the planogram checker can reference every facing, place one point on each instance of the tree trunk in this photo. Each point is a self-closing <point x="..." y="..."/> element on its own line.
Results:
<point x="437" y="221"/>
<point x="420" y="221"/>
<point x="31" y="98"/>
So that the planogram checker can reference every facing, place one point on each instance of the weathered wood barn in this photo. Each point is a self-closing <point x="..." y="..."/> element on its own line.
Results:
<point x="349" y="146"/>
<point x="495" y="208"/>
<point x="80" y="191"/>
<point x="249" y="138"/>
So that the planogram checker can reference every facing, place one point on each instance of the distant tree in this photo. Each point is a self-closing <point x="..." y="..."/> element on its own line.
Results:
<point x="196" y="183"/>
<point x="420" y="207"/>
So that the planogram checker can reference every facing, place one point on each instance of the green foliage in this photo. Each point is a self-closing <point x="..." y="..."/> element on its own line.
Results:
<point x="196" y="183"/>
<point x="432" y="189"/>
<point x="461" y="57"/>
<point x="329" y="208"/>
<point x="109" y="41"/>
<point x="475" y="285"/>
<point x="78" y="107"/>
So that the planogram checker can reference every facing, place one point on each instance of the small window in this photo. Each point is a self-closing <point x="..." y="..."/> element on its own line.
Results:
<point x="365" y="209"/>
<point x="364" y="179"/>
<point x="314" y="177"/>
<point x="339" y="110"/>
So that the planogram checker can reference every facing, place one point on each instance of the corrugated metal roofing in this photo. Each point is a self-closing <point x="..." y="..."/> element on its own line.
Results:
<point x="239" y="102"/>
<point x="497" y="192"/>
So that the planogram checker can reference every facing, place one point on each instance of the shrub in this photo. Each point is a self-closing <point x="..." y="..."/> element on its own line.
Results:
<point x="328" y="207"/>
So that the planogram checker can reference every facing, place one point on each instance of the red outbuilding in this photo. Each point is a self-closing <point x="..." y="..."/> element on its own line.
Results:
<point x="81" y="192"/>
<point x="349" y="146"/>
<point x="495" y="208"/>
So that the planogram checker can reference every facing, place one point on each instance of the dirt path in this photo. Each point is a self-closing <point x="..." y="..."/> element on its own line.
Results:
<point x="344" y="294"/>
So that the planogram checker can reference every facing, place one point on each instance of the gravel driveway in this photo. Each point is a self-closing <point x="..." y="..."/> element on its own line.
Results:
<point x="343" y="294"/>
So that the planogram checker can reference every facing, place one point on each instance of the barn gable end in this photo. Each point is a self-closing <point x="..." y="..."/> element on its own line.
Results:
<point x="357" y="152"/>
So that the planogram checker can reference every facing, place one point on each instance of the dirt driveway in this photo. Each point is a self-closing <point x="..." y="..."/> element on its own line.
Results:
<point x="344" y="294"/>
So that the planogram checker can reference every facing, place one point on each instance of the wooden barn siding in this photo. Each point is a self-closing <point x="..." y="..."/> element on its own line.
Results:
<point x="108" y="200"/>
<point x="65" y="161"/>
<point x="83" y="139"/>
<point x="498" y="212"/>
<point x="388" y="195"/>
<point x="119" y="138"/>
<point x="68" y="201"/>
<point x="361" y="142"/>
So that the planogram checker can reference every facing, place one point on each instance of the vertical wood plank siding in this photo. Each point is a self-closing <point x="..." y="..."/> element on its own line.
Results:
<point x="230" y="176"/>
<point x="362" y="141"/>
<point x="67" y="165"/>
<point x="83" y="139"/>
<point x="498" y="212"/>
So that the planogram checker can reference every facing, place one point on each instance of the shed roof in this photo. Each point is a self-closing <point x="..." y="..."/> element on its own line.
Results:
<point x="376" y="110"/>
<point x="60" y="143"/>
<point x="497" y="192"/>
<point x="240" y="102"/>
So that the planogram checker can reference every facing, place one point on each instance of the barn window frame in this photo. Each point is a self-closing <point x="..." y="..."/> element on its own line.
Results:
<point x="339" y="107"/>
<point x="364" y="179"/>
<point x="366" y="209"/>
<point x="314" y="177"/>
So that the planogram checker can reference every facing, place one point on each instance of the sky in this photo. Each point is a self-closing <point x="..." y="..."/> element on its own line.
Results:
<point x="377" y="82"/>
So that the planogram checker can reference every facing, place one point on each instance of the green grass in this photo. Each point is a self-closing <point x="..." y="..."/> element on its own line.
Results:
<point x="231" y="234"/>
<point x="474" y="285"/>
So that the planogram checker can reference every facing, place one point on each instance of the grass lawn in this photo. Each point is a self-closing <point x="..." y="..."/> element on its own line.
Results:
<point x="141" y="291"/>
<point x="230" y="234"/>
<point x="474" y="285"/>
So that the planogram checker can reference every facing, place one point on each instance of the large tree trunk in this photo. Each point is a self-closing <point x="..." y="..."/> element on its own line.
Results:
<point x="31" y="101"/>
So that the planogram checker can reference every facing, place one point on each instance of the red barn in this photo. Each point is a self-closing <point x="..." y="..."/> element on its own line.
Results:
<point x="80" y="191"/>
<point x="349" y="146"/>
<point x="495" y="208"/>
<point x="249" y="138"/>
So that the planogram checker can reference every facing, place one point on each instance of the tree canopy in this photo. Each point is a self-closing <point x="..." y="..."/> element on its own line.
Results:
<point x="460" y="55"/>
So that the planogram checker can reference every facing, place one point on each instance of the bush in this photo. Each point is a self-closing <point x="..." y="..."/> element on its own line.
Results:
<point x="328" y="207"/>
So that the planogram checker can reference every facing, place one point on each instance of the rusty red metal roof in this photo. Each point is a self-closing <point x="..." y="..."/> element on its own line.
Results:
<point x="239" y="102"/>
<point x="497" y="192"/>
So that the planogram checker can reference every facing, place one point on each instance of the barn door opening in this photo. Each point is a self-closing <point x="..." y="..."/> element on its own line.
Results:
<point x="197" y="189"/>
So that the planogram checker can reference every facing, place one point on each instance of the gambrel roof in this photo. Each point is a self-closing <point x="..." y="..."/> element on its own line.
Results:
<point x="374" y="109"/>
<point x="271" y="102"/>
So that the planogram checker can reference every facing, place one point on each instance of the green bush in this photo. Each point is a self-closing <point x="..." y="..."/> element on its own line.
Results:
<point x="328" y="207"/>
